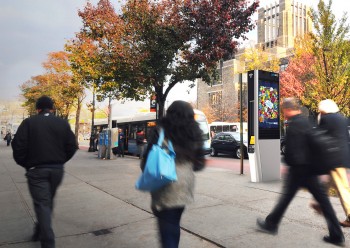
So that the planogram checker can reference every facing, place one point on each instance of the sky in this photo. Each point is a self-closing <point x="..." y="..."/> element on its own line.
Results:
<point x="32" y="29"/>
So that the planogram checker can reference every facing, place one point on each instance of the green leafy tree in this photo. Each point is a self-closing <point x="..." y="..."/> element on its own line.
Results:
<point x="255" y="58"/>
<point x="331" y="50"/>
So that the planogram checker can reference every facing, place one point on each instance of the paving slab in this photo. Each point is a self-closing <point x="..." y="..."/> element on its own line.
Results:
<point x="97" y="205"/>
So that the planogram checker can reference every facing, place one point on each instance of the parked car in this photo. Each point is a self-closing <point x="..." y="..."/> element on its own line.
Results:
<point x="228" y="143"/>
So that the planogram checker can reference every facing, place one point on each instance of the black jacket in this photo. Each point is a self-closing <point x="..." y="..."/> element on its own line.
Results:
<point x="43" y="140"/>
<point x="297" y="149"/>
<point x="336" y="125"/>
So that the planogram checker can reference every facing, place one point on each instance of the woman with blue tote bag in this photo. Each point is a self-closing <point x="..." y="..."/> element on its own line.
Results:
<point x="168" y="202"/>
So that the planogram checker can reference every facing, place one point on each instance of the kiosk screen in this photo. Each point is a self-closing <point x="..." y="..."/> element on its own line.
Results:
<point x="268" y="105"/>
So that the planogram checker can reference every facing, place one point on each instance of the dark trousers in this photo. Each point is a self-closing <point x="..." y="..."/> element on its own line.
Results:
<point x="169" y="226"/>
<point x="293" y="182"/>
<point x="43" y="183"/>
<point x="121" y="149"/>
<point x="141" y="150"/>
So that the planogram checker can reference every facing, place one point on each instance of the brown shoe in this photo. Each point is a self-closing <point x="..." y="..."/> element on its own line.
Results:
<point x="317" y="208"/>
<point x="345" y="223"/>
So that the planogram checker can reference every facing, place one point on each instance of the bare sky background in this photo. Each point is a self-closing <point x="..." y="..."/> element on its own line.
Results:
<point x="32" y="29"/>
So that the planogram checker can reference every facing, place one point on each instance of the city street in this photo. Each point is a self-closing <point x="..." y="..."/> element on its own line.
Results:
<point x="97" y="206"/>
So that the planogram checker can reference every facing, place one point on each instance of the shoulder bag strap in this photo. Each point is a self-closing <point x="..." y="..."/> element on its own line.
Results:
<point x="161" y="137"/>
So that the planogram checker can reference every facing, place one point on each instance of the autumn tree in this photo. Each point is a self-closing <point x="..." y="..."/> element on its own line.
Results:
<point x="332" y="54"/>
<point x="64" y="91"/>
<point x="158" y="44"/>
<point x="56" y="82"/>
<point x="31" y="90"/>
<point x="300" y="71"/>
<point x="211" y="113"/>
<point x="110" y="66"/>
<point x="255" y="58"/>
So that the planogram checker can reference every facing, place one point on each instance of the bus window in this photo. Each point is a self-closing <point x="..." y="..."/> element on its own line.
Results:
<point x="233" y="128"/>
<point x="225" y="128"/>
<point x="133" y="130"/>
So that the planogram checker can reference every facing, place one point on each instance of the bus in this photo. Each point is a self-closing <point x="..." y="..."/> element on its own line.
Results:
<point x="147" y="121"/>
<point x="217" y="127"/>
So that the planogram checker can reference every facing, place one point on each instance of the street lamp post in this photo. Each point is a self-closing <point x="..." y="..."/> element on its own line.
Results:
<point x="241" y="120"/>
<point x="92" y="132"/>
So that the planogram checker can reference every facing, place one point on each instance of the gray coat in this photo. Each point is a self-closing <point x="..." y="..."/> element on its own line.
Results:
<point x="176" y="194"/>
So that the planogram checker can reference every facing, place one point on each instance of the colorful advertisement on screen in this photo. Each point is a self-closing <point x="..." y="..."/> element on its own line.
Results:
<point x="268" y="105"/>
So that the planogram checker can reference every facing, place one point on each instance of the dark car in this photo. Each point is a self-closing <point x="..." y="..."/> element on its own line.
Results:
<point x="227" y="143"/>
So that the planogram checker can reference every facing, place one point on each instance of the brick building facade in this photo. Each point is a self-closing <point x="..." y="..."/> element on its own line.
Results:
<point x="278" y="25"/>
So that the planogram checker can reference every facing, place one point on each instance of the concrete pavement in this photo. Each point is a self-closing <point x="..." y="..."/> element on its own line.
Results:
<point x="97" y="206"/>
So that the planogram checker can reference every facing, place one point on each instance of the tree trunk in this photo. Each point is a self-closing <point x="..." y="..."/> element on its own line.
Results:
<point x="160" y="101"/>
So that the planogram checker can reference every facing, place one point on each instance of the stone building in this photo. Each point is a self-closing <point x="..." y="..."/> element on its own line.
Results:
<point x="278" y="25"/>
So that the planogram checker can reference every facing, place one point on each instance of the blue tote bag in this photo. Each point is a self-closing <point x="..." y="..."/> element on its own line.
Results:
<point x="160" y="168"/>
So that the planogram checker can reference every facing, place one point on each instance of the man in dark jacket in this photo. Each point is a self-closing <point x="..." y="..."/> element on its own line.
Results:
<point x="140" y="142"/>
<point x="8" y="138"/>
<point x="42" y="145"/>
<point x="298" y="159"/>
<point x="336" y="125"/>
<point x="121" y="138"/>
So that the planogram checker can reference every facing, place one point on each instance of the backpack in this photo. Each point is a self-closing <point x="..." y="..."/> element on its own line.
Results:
<point x="325" y="151"/>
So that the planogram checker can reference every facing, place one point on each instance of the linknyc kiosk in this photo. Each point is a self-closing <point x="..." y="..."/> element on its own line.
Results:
<point x="263" y="126"/>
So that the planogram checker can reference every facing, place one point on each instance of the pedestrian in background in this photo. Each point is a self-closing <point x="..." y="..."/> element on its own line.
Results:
<point x="168" y="203"/>
<point x="121" y="138"/>
<point x="140" y="142"/>
<point x="8" y="138"/>
<point x="96" y="141"/>
<point x="42" y="145"/>
<point x="336" y="125"/>
<point x="298" y="158"/>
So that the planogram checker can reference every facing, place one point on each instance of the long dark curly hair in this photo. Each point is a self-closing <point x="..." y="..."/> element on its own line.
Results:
<point x="181" y="128"/>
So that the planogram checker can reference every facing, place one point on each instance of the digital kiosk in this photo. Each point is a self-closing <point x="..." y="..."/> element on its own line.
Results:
<point x="263" y="126"/>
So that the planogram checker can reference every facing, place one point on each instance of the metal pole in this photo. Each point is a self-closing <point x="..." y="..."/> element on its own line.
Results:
<point x="91" y="147"/>
<point x="241" y="120"/>
<point x="109" y="147"/>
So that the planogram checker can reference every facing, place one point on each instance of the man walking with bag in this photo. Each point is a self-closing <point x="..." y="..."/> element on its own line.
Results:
<point x="298" y="159"/>
<point x="42" y="145"/>
<point x="336" y="126"/>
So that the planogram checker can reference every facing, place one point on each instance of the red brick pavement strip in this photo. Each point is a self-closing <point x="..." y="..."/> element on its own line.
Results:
<point x="84" y="148"/>
<point x="228" y="164"/>
<point x="233" y="164"/>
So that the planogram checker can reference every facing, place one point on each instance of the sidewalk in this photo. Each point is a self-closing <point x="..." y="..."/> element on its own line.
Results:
<point x="97" y="206"/>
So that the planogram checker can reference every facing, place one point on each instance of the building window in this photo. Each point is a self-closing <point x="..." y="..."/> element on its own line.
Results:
<point x="217" y="80"/>
<point x="215" y="98"/>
